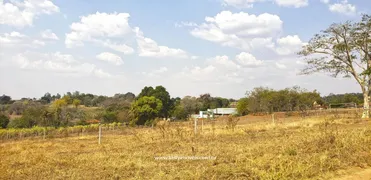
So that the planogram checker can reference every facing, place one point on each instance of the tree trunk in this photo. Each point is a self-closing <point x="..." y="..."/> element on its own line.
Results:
<point x="366" y="106"/>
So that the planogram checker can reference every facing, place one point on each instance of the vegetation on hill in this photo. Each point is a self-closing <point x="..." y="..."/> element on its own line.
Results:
<point x="80" y="108"/>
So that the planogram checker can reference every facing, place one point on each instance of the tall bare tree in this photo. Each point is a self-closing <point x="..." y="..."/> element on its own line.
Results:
<point x="343" y="49"/>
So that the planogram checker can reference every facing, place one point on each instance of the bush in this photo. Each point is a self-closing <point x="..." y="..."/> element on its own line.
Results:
<point x="232" y="122"/>
<point x="242" y="106"/>
<point x="180" y="113"/>
<point x="109" y="117"/>
<point x="81" y="123"/>
<point x="32" y="116"/>
<point x="18" y="123"/>
<point x="4" y="121"/>
<point x="124" y="116"/>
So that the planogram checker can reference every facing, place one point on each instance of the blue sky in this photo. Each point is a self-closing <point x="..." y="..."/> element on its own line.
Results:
<point x="222" y="47"/>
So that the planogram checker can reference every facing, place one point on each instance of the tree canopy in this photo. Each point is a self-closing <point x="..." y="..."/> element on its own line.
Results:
<point x="343" y="49"/>
<point x="145" y="110"/>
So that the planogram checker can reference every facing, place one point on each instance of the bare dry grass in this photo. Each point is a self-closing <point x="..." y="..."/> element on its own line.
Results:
<point x="313" y="148"/>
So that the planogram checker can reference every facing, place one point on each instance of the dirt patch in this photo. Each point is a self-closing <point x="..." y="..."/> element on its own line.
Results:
<point x="359" y="174"/>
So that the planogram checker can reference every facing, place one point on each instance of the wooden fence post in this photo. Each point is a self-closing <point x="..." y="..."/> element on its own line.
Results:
<point x="195" y="125"/>
<point x="273" y="118"/>
<point x="100" y="133"/>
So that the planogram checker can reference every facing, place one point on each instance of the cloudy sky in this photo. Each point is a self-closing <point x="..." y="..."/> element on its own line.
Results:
<point x="222" y="47"/>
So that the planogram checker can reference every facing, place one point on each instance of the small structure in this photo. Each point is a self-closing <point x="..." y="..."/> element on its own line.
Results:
<point x="211" y="113"/>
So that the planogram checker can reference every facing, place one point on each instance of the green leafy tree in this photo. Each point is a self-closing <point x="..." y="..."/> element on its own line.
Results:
<point x="160" y="93"/>
<point x="18" y="123"/>
<point x="4" y="99"/>
<point x="205" y="100"/>
<point x="146" y="91"/>
<point x="59" y="109"/>
<point x="32" y="116"/>
<point x="343" y="49"/>
<point x="243" y="106"/>
<point x="109" y="117"/>
<point x="47" y="98"/>
<point x="145" y="110"/>
<point x="266" y="100"/>
<point x="180" y="113"/>
<point x="191" y="105"/>
<point x="76" y="103"/>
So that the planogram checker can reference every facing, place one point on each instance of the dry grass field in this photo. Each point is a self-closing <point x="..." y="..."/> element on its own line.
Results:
<point x="255" y="148"/>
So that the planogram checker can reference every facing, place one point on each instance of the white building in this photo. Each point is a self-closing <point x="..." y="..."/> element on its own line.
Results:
<point x="210" y="113"/>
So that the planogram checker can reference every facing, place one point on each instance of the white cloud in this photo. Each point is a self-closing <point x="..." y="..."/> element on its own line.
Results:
<point x="245" y="25"/>
<point x="247" y="59"/>
<point x="38" y="42"/>
<point x="48" y="34"/>
<point x="21" y="14"/>
<point x="343" y="8"/>
<point x="212" y="73"/>
<point x="161" y="70"/>
<point x="111" y="58"/>
<point x="118" y="47"/>
<point x="57" y="63"/>
<point x="101" y="25"/>
<point x="156" y="73"/>
<point x="197" y="73"/>
<point x="99" y="28"/>
<point x="250" y="3"/>
<point x="240" y="30"/>
<point x="301" y="62"/>
<point x="223" y="70"/>
<point x="241" y="3"/>
<point x="289" y="45"/>
<point x="38" y="6"/>
<point x="280" y="65"/>
<point x="325" y="1"/>
<point x="194" y="57"/>
<point x="149" y="48"/>
<point x="218" y="69"/>
<point x="206" y="70"/>
<point x="13" y="38"/>
<point x="185" y="24"/>
<point x="224" y="62"/>
<point x="101" y="74"/>
<point x="57" y="56"/>
<point x="16" y="40"/>
<point x="16" y="34"/>
<point x="292" y="3"/>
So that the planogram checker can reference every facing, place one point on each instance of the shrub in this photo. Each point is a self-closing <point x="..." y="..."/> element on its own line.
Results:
<point x="242" y="106"/>
<point x="18" y="123"/>
<point x="4" y="121"/>
<point x="232" y="122"/>
<point x="81" y="122"/>
<point x="180" y="113"/>
<point x="124" y="116"/>
<point x="109" y="117"/>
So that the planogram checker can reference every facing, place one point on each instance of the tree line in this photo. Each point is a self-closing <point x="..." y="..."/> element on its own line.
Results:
<point x="267" y="100"/>
<point x="152" y="103"/>
<point x="79" y="108"/>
